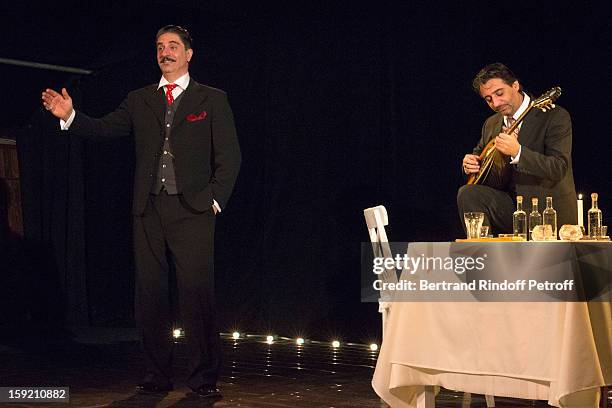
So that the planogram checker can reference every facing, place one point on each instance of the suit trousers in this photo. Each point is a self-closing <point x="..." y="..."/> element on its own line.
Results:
<point x="170" y="226"/>
<point x="496" y="205"/>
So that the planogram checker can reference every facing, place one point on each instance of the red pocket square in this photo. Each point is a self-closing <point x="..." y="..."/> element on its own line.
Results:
<point x="194" y="118"/>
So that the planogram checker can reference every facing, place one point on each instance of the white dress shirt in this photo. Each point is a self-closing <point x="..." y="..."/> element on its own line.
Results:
<point x="181" y="83"/>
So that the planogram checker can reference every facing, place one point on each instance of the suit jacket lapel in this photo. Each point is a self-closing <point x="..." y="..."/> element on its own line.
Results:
<point x="155" y="99"/>
<point x="529" y="123"/>
<point x="525" y="132"/>
<point x="497" y="127"/>
<point x="192" y="99"/>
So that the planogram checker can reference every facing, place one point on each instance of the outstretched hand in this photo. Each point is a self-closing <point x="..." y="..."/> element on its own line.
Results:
<point x="60" y="105"/>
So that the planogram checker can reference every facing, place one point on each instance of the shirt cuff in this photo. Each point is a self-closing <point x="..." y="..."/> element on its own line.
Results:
<point x="515" y="159"/>
<point x="216" y="205"/>
<point x="65" y="125"/>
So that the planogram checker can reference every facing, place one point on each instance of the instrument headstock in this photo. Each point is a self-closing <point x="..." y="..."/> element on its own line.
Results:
<point x="547" y="100"/>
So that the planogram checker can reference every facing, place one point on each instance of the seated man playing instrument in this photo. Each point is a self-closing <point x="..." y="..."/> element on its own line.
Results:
<point x="537" y="154"/>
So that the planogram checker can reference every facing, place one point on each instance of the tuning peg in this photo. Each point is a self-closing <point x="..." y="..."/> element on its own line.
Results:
<point x="543" y="109"/>
<point x="553" y="106"/>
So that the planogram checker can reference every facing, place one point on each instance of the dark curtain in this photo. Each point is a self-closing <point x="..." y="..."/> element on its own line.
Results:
<point x="337" y="109"/>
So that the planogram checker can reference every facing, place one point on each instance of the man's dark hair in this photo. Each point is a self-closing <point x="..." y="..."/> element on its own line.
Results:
<point x="495" y="70"/>
<point x="178" y="30"/>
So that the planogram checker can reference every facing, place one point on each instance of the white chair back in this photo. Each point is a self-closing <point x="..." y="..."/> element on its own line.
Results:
<point x="376" y="220"/>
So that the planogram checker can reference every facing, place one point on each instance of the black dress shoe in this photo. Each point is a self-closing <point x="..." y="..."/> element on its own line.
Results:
<point x="208" y="391"/>
<point x="152" y="388"/>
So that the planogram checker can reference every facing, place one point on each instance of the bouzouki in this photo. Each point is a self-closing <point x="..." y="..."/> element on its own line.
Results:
<point x="495" y="170"/>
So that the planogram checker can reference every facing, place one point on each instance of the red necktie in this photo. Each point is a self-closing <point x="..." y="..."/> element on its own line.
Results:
<point x="169" y="97"/>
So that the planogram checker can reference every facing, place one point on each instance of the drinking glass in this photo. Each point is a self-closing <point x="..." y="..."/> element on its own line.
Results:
<point x="473" y="224"/>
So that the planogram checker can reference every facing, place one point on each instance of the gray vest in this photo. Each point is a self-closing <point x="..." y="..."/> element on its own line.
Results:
<point x="166" y="178"/>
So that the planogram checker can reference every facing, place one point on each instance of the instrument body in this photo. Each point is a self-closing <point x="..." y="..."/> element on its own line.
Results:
<point x="495" y="170"/>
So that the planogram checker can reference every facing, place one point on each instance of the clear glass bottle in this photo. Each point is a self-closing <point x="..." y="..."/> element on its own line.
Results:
<point x="549" y="217"/>
<point x="535" y="218"/>
<point x="519" y="219"/>
<point x="594" y="217"/>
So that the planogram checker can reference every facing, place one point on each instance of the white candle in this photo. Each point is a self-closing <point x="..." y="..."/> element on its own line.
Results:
<point x="580" y="211"/>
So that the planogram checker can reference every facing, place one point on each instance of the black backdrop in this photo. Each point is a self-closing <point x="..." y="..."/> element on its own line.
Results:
<point x="338" y="108"/>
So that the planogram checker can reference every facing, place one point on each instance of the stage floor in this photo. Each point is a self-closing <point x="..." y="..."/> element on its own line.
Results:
<point x="101" y="366"/>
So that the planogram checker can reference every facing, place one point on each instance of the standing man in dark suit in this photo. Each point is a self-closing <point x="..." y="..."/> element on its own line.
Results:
<point x="540" y="154"/>
<point x="187" y="161"/>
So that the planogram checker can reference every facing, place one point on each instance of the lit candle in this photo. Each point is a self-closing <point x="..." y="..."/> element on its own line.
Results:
<point x="580" y="211"/>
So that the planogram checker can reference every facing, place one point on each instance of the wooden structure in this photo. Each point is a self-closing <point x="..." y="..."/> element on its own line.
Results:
<point x="11" y="217"/>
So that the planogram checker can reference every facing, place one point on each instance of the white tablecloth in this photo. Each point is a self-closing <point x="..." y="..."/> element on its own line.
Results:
<point x="560" y="352"/>
<point x="557" y="351"/>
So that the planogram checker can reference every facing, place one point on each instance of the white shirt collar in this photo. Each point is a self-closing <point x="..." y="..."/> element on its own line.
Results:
<point x="521" y="109"/>
<point x="182" y="82"/>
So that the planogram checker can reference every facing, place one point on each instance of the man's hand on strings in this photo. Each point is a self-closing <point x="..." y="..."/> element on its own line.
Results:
<point x="471" y="164"/>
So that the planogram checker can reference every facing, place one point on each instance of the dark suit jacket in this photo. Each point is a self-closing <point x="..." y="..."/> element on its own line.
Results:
<point x="545" y="165"/>
<point x="206" y="151"/>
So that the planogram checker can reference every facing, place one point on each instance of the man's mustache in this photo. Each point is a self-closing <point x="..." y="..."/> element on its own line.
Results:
<point x="166" y="59"/>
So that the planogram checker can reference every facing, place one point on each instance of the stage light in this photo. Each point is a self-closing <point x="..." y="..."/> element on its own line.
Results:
<point x="177" y="333"/>
<point x="373" y="346"/>
<point x="270" y="339"/>
<point x="235" y="335"/>
<point x="335" y="344"/>
<point x="299" y="341"/>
